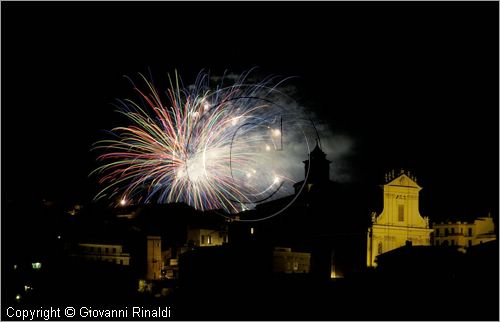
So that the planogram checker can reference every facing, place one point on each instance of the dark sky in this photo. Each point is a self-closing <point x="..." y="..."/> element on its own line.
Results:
<point x="414" y="84"/>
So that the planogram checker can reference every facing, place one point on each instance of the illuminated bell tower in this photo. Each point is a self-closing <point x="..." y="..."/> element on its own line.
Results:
<point x="400" y="220"/>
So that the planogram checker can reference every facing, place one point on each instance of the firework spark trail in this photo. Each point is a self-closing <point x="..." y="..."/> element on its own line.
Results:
<point x="209" y="149"/>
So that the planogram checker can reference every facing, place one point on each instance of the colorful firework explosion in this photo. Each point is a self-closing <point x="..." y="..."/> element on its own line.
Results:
<point x="211" y="149"/>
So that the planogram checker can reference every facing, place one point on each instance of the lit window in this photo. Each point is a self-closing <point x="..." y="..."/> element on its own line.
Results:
<point x="209" y="239"/>
<point x="36" y="265"/>
<point x="251" y="230"/>
<point x="401" y="212"/>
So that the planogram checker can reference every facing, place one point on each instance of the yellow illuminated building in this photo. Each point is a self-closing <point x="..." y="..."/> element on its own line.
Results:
<point x="464" y="234"/>
<point x="154" y="261"/>
<point x="112" y="253"/>
<point x="400" y="220"/>
<point x="203" y="237"/>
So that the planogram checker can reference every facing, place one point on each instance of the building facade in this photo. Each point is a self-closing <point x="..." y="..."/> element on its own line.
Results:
<point x="464" y="234"/>
<point x="400" y="220"/>
<point x="204" y="237"/>
<point x="286" y="261"/>
<point x="112" y="253"/>
<point x="153" y="258"/>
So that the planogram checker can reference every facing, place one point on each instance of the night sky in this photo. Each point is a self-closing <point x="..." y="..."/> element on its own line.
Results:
<point x="415" y="85"/>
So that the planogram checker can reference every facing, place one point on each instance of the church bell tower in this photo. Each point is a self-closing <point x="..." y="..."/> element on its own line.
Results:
<point x="316" y="170"/>
<point x="318" y="166"/>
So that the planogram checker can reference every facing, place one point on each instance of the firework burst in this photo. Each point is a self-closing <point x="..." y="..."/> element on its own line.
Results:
<point x="210" y="148"/>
